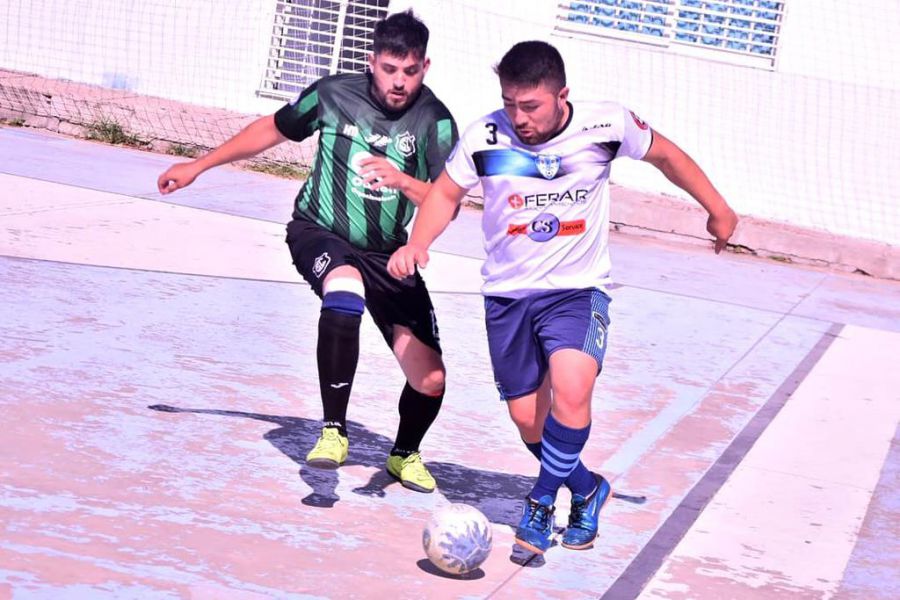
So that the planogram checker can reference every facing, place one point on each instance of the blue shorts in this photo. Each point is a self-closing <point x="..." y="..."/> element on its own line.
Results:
<point x="524" y="332"/>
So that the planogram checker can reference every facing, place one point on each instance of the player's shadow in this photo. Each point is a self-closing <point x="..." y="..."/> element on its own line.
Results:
<point x="498" y="495"/>
<point x="295" y="436"/>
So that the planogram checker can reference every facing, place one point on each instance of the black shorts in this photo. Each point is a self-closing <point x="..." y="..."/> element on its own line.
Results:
<point x="316" y="251"/>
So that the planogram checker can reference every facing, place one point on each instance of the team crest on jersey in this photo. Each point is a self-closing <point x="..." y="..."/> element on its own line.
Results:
<point x="547" y="165"/>
<point x="406" y="144"/>
<point x="321" y="263"/>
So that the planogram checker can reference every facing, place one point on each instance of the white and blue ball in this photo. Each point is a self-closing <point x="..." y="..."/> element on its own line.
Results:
<point x="457" y="538"/>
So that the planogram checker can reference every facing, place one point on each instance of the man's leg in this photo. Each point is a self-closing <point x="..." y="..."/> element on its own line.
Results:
<point x="419" y="405"/>
<point x="337" y="356"/>
<point x="521" y="374"/>
<point x="565" y="434"/>
<point x="572" y="328"/>
<point x="562" y="426"/>
<point x="564" y="431"/>
<point x="568" y="424"/>
<point x="530" y="414"/>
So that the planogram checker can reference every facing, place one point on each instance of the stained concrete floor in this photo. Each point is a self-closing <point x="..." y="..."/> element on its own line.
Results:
<point x="157" y="377"/>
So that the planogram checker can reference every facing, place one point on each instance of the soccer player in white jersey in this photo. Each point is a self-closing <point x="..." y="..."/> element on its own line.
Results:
<point x="544" y="165"/>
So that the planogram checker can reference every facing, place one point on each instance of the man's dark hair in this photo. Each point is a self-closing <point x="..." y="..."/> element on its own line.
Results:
<point x="531" y="63"/>
<point x="400" y="34"/>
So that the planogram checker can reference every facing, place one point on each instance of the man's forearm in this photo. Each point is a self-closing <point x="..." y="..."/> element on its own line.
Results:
<point x="260" y="135"/>
<point x="433" y="217"/>
<point x="687" y="174"/>
<point x="415" y="189"/>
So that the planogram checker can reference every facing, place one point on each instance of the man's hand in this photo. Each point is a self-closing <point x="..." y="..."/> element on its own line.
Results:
<point x="177" y="177"/>
<point x="403" y="262"/>
<point x="721" y="225"/>
<point x="379" y="172"/>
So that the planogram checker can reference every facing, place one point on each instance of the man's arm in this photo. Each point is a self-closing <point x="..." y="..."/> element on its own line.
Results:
<point x="681" y="170"/>
<point x="379" y="173"/>
<point x="260" y="135"/>
<point x="435" y="213"/>
<point x="440" y="140"/>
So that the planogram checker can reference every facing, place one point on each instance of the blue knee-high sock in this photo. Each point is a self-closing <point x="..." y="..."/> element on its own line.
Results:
<point x="560" y="454"/>
<point x="580" y="481"/>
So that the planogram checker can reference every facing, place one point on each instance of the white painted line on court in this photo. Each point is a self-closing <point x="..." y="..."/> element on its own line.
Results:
<point x="787" y="519"/>
<point x="51" y="221"/>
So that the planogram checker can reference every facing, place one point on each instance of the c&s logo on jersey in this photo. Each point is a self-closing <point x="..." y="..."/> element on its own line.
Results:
<point x="545" y="227"/>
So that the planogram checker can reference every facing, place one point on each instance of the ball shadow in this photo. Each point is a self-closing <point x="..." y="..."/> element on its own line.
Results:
<point x="428" y="566"/>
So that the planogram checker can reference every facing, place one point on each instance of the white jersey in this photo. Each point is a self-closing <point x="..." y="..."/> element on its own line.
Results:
<point x="546" y="207"/>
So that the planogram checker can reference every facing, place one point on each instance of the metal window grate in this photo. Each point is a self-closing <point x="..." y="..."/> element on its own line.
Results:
<point x="315" y="38"/>
<point x="746" y="29"/>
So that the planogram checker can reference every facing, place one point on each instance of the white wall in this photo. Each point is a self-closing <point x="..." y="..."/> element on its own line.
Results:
<point x="205" y="52"/>
<point x="814" y="142"/>
<point x="853" y="42"/>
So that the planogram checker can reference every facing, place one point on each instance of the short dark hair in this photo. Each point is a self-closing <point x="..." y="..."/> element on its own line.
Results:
<point x="400" y="34"/>
<point x="532" y="63"/>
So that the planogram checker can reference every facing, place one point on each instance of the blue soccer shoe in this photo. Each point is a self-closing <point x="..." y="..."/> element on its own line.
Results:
<point x="536" y="526"/>
<point x="584" y="516"/>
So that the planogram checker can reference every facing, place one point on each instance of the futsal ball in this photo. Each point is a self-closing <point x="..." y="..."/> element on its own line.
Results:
<point x="457" y="538"/>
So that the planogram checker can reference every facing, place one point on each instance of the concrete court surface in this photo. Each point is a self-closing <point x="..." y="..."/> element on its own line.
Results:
<point x="158" y="387"/>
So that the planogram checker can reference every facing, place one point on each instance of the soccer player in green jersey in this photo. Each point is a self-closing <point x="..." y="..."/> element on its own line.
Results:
<point x="383" y="136"/>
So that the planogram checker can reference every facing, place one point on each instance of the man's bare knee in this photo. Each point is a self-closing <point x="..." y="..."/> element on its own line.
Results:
<point x="430" y="384"/>
<point x="529" y="430"/>
<point x="529" y="421"/>
<point x="572" y="410"/>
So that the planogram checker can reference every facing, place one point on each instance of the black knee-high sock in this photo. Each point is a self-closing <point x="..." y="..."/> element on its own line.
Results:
<point x="337" y="354"/>
<point x="417" y="413"/>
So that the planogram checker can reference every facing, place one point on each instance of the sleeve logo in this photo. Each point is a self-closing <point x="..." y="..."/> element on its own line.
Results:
<point x="638" y="121"/>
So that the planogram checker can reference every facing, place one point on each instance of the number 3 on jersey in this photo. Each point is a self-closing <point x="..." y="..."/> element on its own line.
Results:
<point x="492" y="133"/>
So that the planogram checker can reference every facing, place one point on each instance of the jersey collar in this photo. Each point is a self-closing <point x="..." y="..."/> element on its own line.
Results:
<point x="566" y="124"/>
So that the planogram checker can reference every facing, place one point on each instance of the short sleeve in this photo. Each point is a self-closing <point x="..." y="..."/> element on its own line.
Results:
<point x="461" y="166"/>
<point x="441" y="141"/>
<point x="636" y="136"/>
<point x="300" y="119"/>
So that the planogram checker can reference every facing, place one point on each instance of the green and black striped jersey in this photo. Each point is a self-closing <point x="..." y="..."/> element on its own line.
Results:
<point x="353" y="126"/>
